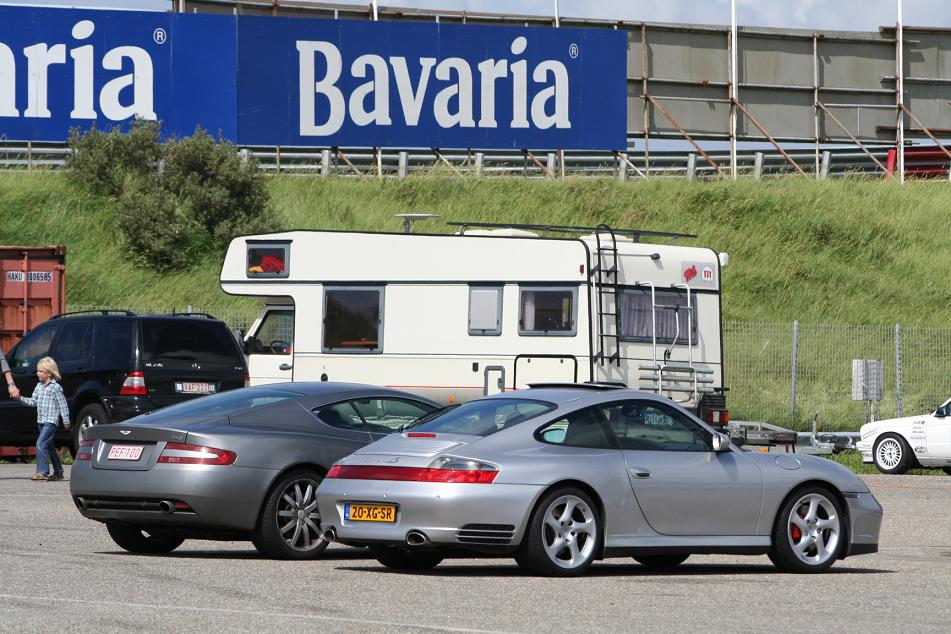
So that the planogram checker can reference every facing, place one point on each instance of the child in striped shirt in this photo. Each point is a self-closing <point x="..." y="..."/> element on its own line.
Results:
<point x="50" y="404"/>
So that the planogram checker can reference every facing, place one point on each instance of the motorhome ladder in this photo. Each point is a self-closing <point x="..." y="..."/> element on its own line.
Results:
<point x="605" y="280"/>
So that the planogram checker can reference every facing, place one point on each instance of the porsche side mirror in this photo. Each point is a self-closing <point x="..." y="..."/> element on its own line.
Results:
<point x="941" y="412"/>
<point x="721" y="442"/>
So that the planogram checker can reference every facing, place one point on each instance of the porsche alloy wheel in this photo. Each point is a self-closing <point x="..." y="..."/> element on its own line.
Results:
<point x="563" y="535"/>
<point x="808" y="534"/>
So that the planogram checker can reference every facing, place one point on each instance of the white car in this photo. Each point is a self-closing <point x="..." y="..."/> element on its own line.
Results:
<point x="899" y="444"/>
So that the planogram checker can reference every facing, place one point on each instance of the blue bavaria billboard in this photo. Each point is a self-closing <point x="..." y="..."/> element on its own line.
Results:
<point x="309" y="82"/>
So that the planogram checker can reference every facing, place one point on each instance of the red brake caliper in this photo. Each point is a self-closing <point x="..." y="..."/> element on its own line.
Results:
<point x="794" y="530"/>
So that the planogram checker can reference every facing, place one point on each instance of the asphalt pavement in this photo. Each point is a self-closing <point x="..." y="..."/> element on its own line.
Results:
<point x="61" y="572"/>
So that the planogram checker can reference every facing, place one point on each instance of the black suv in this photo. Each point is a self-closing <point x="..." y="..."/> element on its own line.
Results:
<point x="116" y="365"/>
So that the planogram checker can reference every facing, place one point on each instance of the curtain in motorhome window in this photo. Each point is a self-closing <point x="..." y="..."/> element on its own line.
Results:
<point x="352" y="320"/>
<point x="547" y="311"/>
<point x="485" y="310"/>
<point x="672" y="306"/>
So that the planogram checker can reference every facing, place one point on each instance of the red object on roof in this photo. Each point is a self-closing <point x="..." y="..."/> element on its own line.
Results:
<point x="920" y="162"/>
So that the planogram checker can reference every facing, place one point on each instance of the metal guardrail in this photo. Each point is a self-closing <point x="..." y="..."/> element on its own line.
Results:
<point x="400" y="163"/>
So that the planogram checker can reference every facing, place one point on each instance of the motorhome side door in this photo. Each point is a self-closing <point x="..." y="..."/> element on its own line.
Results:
<point x="269" y="346"/>
<point x="494" y="379"/>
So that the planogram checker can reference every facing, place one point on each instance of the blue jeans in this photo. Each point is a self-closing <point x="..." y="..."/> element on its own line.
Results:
<point x="46" y="451"/>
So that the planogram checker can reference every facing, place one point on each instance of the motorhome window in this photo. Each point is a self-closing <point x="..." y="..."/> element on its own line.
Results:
<point x="547" y="311"/>
<point x="352" y="320"/>
<point x="485" y="310"/>
<point x="275" y="335"/>
<point x="671" y="313"/>
<point x="268" y="260"/>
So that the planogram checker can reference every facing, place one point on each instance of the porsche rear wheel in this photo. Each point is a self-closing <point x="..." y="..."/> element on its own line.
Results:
<point x="892" y="455"/>
<point x="563" y="537"/>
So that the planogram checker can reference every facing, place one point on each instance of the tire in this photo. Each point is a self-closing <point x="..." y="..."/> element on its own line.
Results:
<point x="661" y="562"/>
<point x="892" y="455"/>
<point x="406" y="559"/>
<point x="563" y="537"/>
<point x="810" y="531"/>
<point x="289" y="523"/>
<point x="143" y="541"/>
<point x="89" y="416"/>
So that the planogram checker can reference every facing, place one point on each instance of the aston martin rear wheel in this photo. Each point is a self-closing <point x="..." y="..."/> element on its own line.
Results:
<point x="143" y="541"/>
<point x="809" y="532"/>
<point x="563" y="537"/>
<point x="661" y="562"/>
<point x="289" y="525"/>
<point x="892" y="455"/>
<point x="405" y="558"/>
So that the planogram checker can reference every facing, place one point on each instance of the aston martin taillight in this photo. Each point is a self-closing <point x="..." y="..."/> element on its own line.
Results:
<point x="179" y="453"/>
<point x="85" y="450"/>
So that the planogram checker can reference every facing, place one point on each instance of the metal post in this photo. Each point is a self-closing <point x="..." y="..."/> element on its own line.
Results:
<point x="561" y="164"/>
<point x="758" y="166"/>
<point x="899" y="404"/>
<point x="325" y="163"/>
<point x="691" y="166"/>
<point x="479" y="160"/>
<point x="795" y="363"/>
<point x="900" y="94"/>
<point x="379" y="161"/>
<point x="375" y="11"/>
<point x="826" y="164"/>
<point x="734" y="96"/>
<point x="552" y="163"/>
<point x="621" y="168"/>
<point x="815" y="93"/>
<point x="557" y="16"/>
<point x="277" y="158"/>
<point x="647" y="107"/>
<point x="403" y="164"/>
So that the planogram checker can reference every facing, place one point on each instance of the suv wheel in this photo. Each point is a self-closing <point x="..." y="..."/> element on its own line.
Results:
<point x="89" y="416"/>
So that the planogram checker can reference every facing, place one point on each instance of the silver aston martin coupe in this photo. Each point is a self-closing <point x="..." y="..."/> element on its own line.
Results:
<point x="561" y="476"/>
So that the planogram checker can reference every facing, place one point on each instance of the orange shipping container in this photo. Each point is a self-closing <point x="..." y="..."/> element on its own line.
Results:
<point x="32" y="289"/>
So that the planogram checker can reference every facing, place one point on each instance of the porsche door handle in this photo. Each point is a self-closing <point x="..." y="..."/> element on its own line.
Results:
<point x="640" y="472"/>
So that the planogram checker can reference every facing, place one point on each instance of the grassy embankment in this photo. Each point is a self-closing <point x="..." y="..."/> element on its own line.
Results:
<point x="846" y="251"/>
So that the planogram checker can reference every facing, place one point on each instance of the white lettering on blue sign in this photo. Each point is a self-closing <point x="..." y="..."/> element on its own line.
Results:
<point x="369" y="103"/>
<point x="39" y="58"/>
<point x="32" y="276"/>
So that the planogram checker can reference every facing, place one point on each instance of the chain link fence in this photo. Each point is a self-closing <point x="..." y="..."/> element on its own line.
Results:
<point x="786" y="373"/>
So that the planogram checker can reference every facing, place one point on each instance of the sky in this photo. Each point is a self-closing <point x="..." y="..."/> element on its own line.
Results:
<point x="850" y="15"/>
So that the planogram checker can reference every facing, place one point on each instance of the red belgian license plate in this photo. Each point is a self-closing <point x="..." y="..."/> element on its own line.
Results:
<point x="125" y="452"/>
<point x="195" y="388"/>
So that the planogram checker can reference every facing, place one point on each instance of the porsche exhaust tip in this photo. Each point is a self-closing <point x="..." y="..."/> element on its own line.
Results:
<point x="329" y="535"/>
<point x="416" y="538"/>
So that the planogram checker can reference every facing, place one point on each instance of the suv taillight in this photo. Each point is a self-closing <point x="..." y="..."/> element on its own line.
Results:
<point x="179" y="453"/>
<point x="247" y="380"/>
<point x="85" y="450"/>
<point x="134" y="384"/>
<point x="718" y="417"/>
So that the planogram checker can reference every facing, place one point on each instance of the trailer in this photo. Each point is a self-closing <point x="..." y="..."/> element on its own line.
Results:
<point x="490" y="307"/>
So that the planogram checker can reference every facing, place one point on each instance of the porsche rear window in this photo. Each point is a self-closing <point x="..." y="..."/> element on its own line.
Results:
<point x="485" y="417"/>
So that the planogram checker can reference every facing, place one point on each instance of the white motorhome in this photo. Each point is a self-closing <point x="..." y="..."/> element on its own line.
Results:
<point x="492" y="307"/>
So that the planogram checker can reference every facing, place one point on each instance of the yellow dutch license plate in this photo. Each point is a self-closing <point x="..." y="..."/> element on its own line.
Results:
<point x="370" y="513"/>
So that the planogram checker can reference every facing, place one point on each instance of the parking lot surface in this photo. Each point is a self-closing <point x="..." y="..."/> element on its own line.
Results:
<point x="59" y="571"/>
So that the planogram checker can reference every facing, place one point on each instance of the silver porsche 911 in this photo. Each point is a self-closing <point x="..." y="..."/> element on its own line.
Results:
<point x="559" y="477"/>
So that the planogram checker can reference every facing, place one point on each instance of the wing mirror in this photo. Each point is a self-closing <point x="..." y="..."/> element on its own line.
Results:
<point x="942" y="411"/>
<point x="721" y="442"/>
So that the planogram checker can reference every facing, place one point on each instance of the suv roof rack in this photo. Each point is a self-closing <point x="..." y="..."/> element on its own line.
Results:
<point x="192" y="315"/>
<point x="97" y="311"/>
<point x="635" y="234"/>
<point x="587" y="385"/>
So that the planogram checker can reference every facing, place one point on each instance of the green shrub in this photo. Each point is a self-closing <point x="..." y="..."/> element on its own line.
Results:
<point x="155" y="229"/>
<point x="179" y="201"/>
<point x="100" y="161"/>
<point x="225" y="195"/>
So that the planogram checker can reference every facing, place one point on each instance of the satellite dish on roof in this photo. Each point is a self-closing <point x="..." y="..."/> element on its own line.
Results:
<point x="409" y="219"/>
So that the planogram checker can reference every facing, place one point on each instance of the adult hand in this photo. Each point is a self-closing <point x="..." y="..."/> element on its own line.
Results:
<point x="13" y="391"/>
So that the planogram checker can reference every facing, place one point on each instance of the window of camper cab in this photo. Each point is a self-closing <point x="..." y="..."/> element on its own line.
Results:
<point x="268" y="259"/>
<point x="636" y="323"/>
<point x="547" y="311"/>
<point x="275" y="335"/>
<point x="353" y="320"/>
<point x="485" y="310"/>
